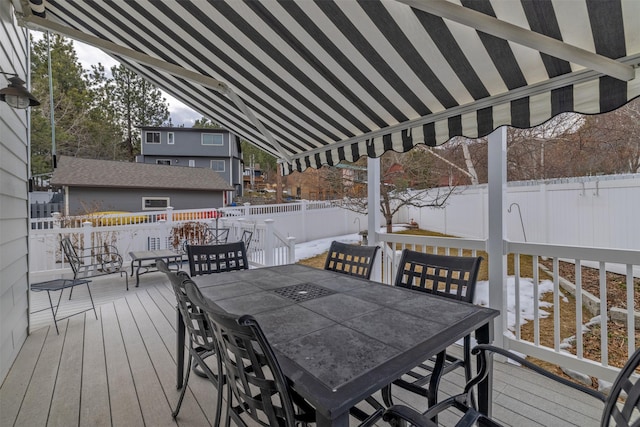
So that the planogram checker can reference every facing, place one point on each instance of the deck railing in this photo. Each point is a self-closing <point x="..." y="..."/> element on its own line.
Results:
<point x="267" y="246"/>
<point x="556" y="332"/>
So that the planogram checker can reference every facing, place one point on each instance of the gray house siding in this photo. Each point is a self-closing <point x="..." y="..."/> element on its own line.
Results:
<point x="188" y="150"/>
<point x="92" y="199"/>
<point x="14" y="173"/>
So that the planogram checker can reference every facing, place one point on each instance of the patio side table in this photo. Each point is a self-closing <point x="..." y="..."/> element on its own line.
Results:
<point x="60" y="285"/>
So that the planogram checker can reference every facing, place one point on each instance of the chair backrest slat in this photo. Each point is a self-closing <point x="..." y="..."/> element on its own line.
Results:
<point x="194" y="319"/>
<point x="258" y="386"/>
<point x="448" y="276"/>
<point x="622" y="407"/>
<point x="208" y="259"/>
<point x="353" y="260"/>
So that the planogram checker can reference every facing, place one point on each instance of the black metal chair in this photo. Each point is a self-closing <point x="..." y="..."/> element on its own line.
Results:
<point x="449" y="277"/>
<point x="353" y="260"/>
<point x="216" y="236"/>
<point x="256" y="386"/>
<point x="247" y="237"/>
<point x="208" y="259"/>
<point x="621" y="406"/>
<point x="202" y="343"/>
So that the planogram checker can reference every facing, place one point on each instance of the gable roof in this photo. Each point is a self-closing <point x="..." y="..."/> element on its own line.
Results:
<point x="77" y="172"/>
<point x="317" y="82"/>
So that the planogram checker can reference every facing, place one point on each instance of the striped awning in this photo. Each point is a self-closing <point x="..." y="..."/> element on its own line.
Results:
<point x="318" y="82"/>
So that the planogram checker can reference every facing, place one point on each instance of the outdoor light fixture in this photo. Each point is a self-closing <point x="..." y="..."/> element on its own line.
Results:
<point x="16" y="95"/>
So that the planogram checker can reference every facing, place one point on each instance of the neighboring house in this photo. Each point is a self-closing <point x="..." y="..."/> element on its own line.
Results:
<point x="105" y="185"/>
<point x="216" y="149"/>
<point x="253" y="177"/>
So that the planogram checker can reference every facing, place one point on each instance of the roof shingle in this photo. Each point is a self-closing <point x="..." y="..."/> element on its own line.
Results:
<point x="77" y="172"/>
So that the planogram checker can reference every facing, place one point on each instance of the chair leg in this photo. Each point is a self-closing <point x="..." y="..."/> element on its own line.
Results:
<point x="467" y="369"/>
<point x="386" y="396"/>
<point x="217" y="380"/>
<point x="174" y="414"/>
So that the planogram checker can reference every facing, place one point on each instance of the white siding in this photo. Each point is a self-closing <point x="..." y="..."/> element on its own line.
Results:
<point x="13" y="196"/>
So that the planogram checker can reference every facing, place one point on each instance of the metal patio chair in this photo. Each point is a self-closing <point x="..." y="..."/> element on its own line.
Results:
<point x="202" y="343"/>
<point x="208" y="259"/>
<point x="447" y="276"/>
<point x="247" y="237"/>
<point x="353" y="260"/>
<point x="216" y="236"/>
<point x="257" y="388"/>
<point x="621" y="406"/>
<point x="100" y="261"/>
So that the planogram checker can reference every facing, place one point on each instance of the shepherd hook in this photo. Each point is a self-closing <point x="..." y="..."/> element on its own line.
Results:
<point x="520" y="214"/>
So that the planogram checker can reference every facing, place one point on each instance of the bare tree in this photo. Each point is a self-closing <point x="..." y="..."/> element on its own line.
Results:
<point x="405" y="180"/>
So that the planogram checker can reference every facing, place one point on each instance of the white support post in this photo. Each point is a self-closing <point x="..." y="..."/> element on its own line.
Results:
<point x="87" y="228"/>
<point x="497" y="163"/>
<point x="303" y="212"/>
<point x="169" y="214"/>
<point x="164" y="234"/>
<point x="373" y="212"/>
<point x="269" y="243"/>
<point x="56" y="220"/>
<point x="247" y="209"/>
<point x="291" y="241"/>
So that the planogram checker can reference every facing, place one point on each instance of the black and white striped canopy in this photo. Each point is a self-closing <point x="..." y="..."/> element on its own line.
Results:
<point x="318" y="82"/>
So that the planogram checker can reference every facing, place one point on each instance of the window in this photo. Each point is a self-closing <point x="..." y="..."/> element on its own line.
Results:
<point x="170" y="138"/>
<point x="211" y="139"/>
<point x="163" y="162"/>
<point x="154" y="203"/>
<point x="152" y="137"/>
<point x="217" y="165"/>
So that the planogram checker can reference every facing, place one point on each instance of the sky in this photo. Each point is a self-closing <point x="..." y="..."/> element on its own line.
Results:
<point x="89" y="55"/>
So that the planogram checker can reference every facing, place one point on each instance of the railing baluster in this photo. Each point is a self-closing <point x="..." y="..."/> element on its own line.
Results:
<point x="604" y="314"/>
<point x="536" y="301"/>
<point x="516" y="284"/>
<point x="631" y="321"/>
<point x="579" y="340"/>
<point x="556" y="305"/>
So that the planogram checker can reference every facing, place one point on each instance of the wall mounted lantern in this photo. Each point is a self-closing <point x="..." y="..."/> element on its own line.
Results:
<point x="16" y="95"/>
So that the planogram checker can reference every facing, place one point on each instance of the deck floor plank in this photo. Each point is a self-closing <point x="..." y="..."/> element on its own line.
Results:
<point x="152" y="330"/>
<point x="37" y="400"/>
<point x="151" y="396"/>
<point x="14" y="388"/>
<point x="65" y="404"/>
<point x="95" y="408"/>
<point x="123" y="396"/>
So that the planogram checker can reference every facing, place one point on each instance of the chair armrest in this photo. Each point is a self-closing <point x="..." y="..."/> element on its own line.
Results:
<point x="101" y="258"/>
<point x="104" y="249"/>
<point x="482" y="349"/>
<point x="397" y="413"/>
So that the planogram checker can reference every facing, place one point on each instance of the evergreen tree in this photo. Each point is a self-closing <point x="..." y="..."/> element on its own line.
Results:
<point x="135" y="102"/>
<point x="83" y="128"/>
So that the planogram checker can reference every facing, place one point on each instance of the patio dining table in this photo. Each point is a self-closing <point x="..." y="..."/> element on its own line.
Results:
<point x="340" y="339"/>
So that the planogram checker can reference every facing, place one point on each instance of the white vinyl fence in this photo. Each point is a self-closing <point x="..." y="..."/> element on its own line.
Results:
<point x="600" y="211"/>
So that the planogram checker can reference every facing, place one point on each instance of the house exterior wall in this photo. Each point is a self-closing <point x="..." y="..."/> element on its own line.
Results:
<point x="86" y="200"/>
<point x="187" y="150"/>
<point x="14" y="173"/>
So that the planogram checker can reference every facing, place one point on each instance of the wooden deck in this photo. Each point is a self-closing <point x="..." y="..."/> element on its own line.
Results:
<point x="119" y="370"/>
